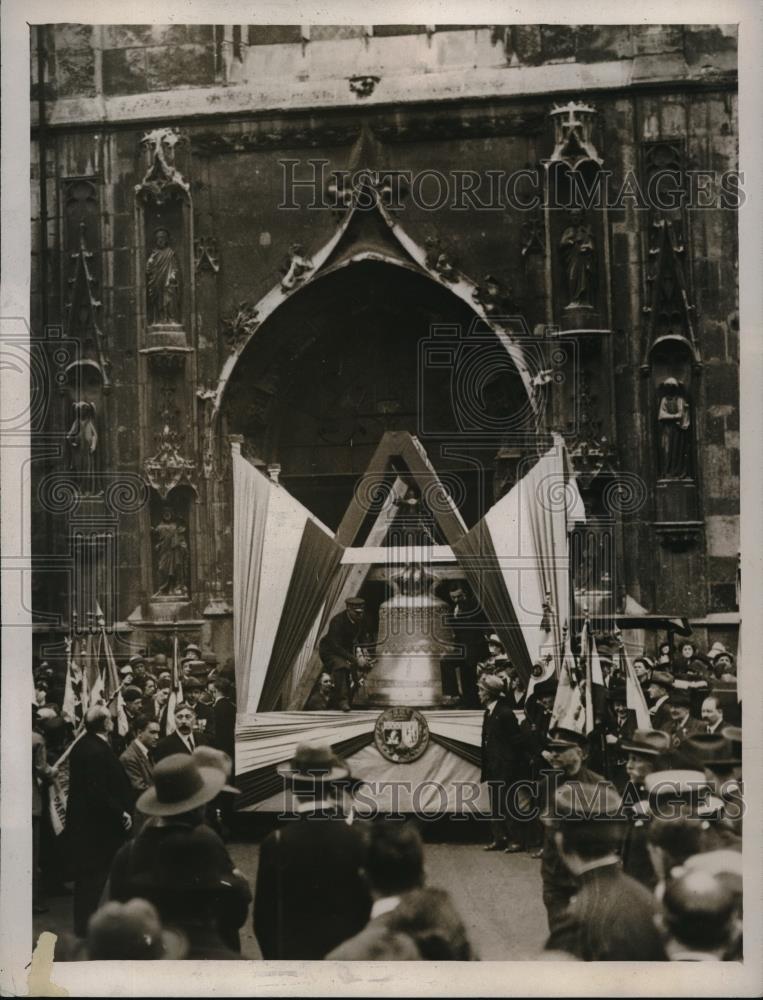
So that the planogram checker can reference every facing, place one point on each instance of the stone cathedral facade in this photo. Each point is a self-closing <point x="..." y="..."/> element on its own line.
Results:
<point x="284" y="236"/>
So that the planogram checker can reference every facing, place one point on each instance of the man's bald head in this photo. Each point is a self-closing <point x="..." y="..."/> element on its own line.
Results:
<point x="698" y="910"/>
<point x="98" y="719"/>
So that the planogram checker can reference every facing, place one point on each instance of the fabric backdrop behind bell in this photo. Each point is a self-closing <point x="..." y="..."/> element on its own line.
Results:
<point x="268" y="529"/>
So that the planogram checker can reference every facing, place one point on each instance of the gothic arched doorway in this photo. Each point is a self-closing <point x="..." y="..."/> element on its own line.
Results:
<point x="366" y="348"/>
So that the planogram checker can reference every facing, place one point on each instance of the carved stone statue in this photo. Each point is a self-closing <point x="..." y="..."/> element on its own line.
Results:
<point x="578" y="251"/>
<point x="171" y="546"/>
<point x="82" y="443"/>
<point x="674" y="422"/>
<point x="163" y="281"/>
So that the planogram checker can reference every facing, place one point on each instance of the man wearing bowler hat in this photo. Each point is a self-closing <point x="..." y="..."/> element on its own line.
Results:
<point x="311" y="894"/>
<point x="566" y="753"/>
<point x="177" y="802"/>
<point x="341" y="651"/>
<point x="683" y="725"/>
<point x="658" y="690"/>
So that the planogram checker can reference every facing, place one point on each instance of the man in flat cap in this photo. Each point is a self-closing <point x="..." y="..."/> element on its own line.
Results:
<point x="341" y="651"/>
<point x="566" y="752"/>
<point x="611" y="917"/>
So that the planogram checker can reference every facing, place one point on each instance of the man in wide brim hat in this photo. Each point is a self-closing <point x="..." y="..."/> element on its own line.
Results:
<point x="312" y="765"/>
<point x="180" y="786"/>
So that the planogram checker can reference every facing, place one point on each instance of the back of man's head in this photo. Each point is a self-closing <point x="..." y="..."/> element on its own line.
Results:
<point x="395" y="859"/>
<point x="96" y="719"/>
<point x="699" y="910"/>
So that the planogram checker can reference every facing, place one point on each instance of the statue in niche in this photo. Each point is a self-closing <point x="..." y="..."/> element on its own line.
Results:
<point x="82" y="443"/>
<point x="674" y="422"/>
<point x="171" y="545"/>
<point x="163" y="282"/>
<point x="578" y="251"/>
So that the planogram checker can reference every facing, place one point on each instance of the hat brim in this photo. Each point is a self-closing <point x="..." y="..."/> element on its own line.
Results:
<point x="723" y="762"/>
<point x="563" y="745"/>
<point x="644" y="751"/>
<point x="304" y="778"/>
<point x="212" y="781"/>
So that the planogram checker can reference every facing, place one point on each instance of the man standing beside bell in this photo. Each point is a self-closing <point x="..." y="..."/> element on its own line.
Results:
<point x="342" y="653"/>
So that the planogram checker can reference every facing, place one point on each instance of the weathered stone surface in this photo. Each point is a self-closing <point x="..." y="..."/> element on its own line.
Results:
<point x="180" y="66"/>
<point x="122" y="36"/>
<point x="595" y="43"/>
<point x="525" y="43"/>
<point x="649" y="39"/>
<point x="124" y="71"/>
<point x="274" y="34"/>
<point x="75" y="73"/>
<point x="331" y="32"/>
<point x="558" y="41"/>
<point x="722" y="536"/>
<point x="73" y="36"/>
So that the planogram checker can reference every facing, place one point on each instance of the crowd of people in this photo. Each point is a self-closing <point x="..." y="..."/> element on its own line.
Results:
<point x="638" y="830"/>
<point x="189" y="710"/>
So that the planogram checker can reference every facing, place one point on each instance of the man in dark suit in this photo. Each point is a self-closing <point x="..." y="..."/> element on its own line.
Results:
<point x="620" y="724"/>
<point x="137" y="759"/>
<point x="394" y="866"/>
<point x="98" y="813"/>
<point x="683" y="726"/>
<point x="341" y="651"/>
<point x="205" y="716"/>
<point x="658" y="690"/>
<point x="224" y="715"/>
<point x="468" y="624"/>
<point x="503" y="761"/>
<point x="311" y="894"/>
<point x="611" y="916"/>
<point x="183" y="739"/>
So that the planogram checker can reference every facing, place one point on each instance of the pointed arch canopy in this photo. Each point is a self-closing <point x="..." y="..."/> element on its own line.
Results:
<point x="410" y="256"/>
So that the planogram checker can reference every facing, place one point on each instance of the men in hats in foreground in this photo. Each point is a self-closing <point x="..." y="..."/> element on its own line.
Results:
<point x="311" y="894"/>
<point x="658" y="691"/>
<point x="98" y="814"/>
<point x="682" y="725"/>
<point x="184" y="739"/>
<point x="610" y="917"/>
<point x="721" y="757"/>
<point x="503" y="761"/>
<point x="394" y="866"/>
<point x="177" y="803"/>
<point x="566" y="752"/>
<point x="341" y="651"/>
<point x="644" y="753"/>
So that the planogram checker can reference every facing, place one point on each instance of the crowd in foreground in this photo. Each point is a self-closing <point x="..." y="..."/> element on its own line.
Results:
<point x="641" y="863"/>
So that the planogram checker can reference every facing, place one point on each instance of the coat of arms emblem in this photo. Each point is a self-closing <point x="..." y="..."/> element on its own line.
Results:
<point x="401" y="734"/>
